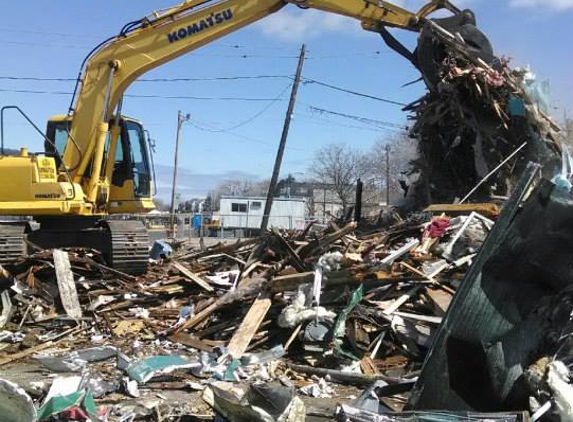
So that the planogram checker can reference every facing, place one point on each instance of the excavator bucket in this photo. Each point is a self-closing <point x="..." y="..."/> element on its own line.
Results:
<point x="432" y="51"/>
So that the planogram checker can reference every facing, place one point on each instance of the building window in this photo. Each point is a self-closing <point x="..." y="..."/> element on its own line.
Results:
<point x="239" y="207"/>
<point x="255" y="206"/>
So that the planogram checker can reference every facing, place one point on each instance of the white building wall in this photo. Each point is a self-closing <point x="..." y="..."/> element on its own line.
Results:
<point x="247" y="213"/>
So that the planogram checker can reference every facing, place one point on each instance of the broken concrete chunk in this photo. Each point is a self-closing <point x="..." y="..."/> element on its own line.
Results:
<point x="15" y="404"/>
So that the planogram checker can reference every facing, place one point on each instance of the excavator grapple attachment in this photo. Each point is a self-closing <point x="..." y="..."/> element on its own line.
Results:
<point x="432" y="51"/>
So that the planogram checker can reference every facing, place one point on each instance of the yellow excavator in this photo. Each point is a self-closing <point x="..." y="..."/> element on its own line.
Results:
<point x="96" y="162"/>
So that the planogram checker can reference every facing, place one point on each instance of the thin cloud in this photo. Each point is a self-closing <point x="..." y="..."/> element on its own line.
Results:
<point x="293" y="24"/>
<point x="551" y="4"/>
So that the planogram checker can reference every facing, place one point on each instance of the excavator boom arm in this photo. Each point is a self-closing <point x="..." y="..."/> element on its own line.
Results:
<point x="166" y="35"/>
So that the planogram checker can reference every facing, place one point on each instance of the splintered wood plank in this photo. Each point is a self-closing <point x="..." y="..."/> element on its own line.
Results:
<point x="192" y="276"/>
<point x="253" y="320"/>
<point x="192" y="341"/>
<point x="401" y="300"/>
<point x="25" y="353"/>
<point x="66" y="284"/>
<point x="487" y="209"/>
<point x="295" y="259"/>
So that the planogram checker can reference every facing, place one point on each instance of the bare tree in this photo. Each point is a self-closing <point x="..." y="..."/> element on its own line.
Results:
<point x="238" y="187"/>
<point x="338" y="167"/>
<point x="261" y="188"/>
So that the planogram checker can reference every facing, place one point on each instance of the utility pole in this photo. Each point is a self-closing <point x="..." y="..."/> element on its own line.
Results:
<point x="180" y="120"/>
<point x="282" y="144"/>
<point x="387" y="175"/>
<point x="358" y="203"/>
<point x="323" y="202"/>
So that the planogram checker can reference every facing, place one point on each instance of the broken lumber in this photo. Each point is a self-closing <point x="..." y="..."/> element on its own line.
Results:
<point x="244" y="334"/>
<point x="66" y="284"/>
<point x="192" y="276"/>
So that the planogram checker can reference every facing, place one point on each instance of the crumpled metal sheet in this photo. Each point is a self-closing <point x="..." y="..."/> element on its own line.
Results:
<point x="508" y="312"/>
<point x="77" y="360"/>
<point x="145" y="369"/>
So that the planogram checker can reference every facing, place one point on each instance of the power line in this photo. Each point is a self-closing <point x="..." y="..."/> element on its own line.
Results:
<point x="365" y="120"/>
<point x="253" y="117"/>
<point x="185" y="97"/>
<point x="216" y="44"/>
<point x="215" y="55"/>
<point x="69" y="35"/>
<point x="348" y="91"/>
<point x="29" y="91"/>
<point x="204" y="79"/>
<point x="37" y="44"/>
<point x="56" y="34"/>
<point x="247" y="138"/>
<point x="222" y="78"/>
<point x="327" y="122"/>
<point x="170" y="97"/>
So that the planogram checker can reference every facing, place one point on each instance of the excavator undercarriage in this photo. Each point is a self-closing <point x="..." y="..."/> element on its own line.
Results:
<point x="124" y="244"/>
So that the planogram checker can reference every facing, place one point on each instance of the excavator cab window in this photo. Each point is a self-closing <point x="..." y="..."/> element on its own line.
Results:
<point x="58" y="132"/>
<point x="138" y="158"/>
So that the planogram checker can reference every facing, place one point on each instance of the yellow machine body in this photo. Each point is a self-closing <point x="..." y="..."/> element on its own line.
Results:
<point x="35" y="188"/>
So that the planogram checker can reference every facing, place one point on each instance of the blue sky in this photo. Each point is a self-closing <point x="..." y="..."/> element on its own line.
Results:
<point x="50" y="39"/>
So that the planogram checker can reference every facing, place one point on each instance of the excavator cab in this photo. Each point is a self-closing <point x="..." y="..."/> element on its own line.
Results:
<point x="130" y="187"/>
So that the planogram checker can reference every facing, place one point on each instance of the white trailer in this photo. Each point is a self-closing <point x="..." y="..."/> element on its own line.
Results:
<point x="242" y="212"/>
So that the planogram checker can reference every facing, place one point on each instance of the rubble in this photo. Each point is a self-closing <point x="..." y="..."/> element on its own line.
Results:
<point x="320" y="307"/>
<point x="513" y="309"/>
<point x="477" y="127"/>
<point x="363" y="308"/>
<point x="459" y="312"/>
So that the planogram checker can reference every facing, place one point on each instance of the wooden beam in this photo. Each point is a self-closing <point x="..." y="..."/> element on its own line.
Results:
<point x="417" y="272"/>
<point x="489" y="210"/>
<point x="25" y="353"/>
<point x="220" y="249"/>
<point x="327" y="240"/>
<point x="294" y="258"/>
<point x="401" y="300"/>
<point x="66" y="284"/>
<point x="192" y="341"/>
<point x="439" y="299"/>
<point x="192" y="276"/>
<point x="248" y="328"/>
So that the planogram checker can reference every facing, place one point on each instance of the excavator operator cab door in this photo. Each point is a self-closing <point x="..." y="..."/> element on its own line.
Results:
<point x="131" y="159"/>
<point x="130" y="190"/>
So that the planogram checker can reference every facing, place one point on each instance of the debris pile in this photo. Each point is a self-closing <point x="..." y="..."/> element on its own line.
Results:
<point x="463" y="311"/>
<point x="298" y="315"/>
<point x="476" y="116"/>
<point x="357" y="323"/>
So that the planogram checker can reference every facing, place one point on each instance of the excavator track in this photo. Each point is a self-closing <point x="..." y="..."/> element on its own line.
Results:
<point x="12" y="242"/>
<point x="129" y="246"/>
